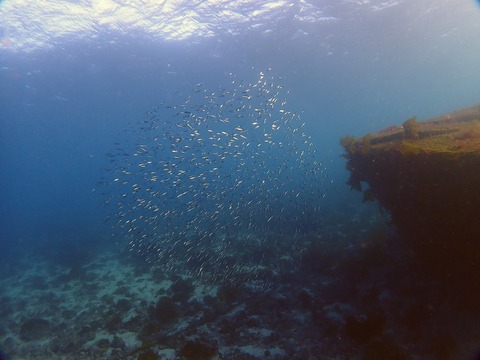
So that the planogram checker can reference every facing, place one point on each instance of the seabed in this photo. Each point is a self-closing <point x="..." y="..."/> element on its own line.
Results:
<point x="357" y="294"/>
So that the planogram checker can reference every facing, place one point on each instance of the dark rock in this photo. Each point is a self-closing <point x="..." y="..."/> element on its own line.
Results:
<point x="6" y="307"/>
<point x="118" y="354"/>
<point x="196" y="350"/>
<point x="21" y="305"/>
<point x="118" y="343"/>
<point x="161" y="291"/>
<point x="305" y="299"/>
<point x="364" y="329"/>
<point x="91" y="288"/>
<point x="227" y="327"/>
<point x="9" y="345"/>
<point x="103" y="343"/>
<point x="181" y="290"/>
<point x="34" y="329"/>
<point x="122" y="290"/>
<point x="86" y="333"/>
<point x="442" y="345"/>
<point x="166" y="341"/>
<point x="68" y="314"/>
<point x="417" y="316"/>
<point x="134" y="324"/>
<point x="108" y="299"/>
<point x="193" y="308"/>
<point x="123" y="305"/>
<point x="237" y="354"/>
<point x="148" y="355"/>
<point x="252" y="322"/>
<point x="55" y="345"/>
<point x="209" y="316"/>
<point x="149" y="331"/>
<point x="209" y="300"/>
<point x="113" y="323"/>
<point x="228" y="293"/>
<point x="3" y="356"/>
<point x="384" y="349"/>
<point x="166" y="311"/>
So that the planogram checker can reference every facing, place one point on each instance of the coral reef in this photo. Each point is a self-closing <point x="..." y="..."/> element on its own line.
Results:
<point x="356" y="294"/>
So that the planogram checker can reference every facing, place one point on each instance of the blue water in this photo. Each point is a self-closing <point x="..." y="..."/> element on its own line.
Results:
<point x="348" y="68"/>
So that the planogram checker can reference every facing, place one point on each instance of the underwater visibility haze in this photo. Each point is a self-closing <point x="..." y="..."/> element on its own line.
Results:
<point x="173" y="185"/>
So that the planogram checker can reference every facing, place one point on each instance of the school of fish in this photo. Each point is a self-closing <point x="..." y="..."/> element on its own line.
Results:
<point x="218" y="185"/>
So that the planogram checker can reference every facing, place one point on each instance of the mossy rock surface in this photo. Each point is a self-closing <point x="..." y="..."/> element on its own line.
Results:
<point x="35" y="329"/>
<point x="455" y="133"/>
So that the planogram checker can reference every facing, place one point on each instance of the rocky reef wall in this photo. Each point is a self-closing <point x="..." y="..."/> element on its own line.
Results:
<point x="427" y="176"/>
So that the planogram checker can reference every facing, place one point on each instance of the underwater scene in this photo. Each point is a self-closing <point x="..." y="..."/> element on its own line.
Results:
<point x="255" y="179"/>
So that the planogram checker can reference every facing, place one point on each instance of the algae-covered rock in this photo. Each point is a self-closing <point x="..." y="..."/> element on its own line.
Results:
<point x="34" y="329"/>
<point x="411" y="128"/>
<point x="427" y="175"/>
